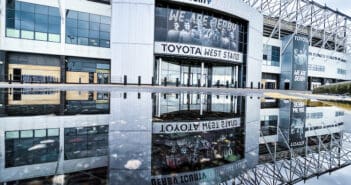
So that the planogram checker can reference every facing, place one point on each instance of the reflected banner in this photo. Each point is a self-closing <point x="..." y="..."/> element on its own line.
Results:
<point x="182" y="32"/>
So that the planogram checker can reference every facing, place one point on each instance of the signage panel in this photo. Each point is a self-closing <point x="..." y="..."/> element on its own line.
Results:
<point x="197" y="51"/>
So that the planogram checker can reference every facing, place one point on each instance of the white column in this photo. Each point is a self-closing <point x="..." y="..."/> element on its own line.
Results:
<point x="236" y="75"/>
<point x="159" y="63"/>
<point x="201" y="104"/>
<point x="202" y="73"/>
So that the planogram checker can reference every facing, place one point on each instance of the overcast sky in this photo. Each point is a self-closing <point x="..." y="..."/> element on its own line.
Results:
<point x="342" y="5"/>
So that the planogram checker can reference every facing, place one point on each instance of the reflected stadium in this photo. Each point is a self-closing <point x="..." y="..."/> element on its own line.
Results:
<point x="167" y="138"/>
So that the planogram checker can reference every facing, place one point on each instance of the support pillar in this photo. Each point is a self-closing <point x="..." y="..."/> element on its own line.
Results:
<point x="159" y="67"/>
<point x="202" y="73"/>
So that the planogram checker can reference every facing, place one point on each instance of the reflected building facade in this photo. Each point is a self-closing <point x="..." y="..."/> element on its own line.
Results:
<point x="166" y="138"/>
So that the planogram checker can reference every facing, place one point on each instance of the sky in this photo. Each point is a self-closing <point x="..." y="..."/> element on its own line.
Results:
<point x="343" y="6"/>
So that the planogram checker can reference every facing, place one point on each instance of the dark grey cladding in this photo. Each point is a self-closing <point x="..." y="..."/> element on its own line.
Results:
<point x="33" y="59"/>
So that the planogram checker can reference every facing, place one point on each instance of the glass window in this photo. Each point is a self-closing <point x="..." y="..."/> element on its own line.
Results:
<point x="26" y="133"/>
<point x="93" y="34"/>
<point x="71" y="23"/>
<point x="12" y="135"/>
<point x="105" y="27"/>
<point x="12" y="33"/>
<point x="91" y="29"/>
<point x="54" y="11"/>
<point x="83" y="33"/>
<point x="27" y="34"/>
<point x="54" y="132"/>
<point x="41" y="9"/>
<point x="95" y="26"/>
<point x="40" y="133"/>
<point x="105" y="20"/>
<point x="27" y="7"/>
<point x="82" y="41"/>
<point x="72" y="14"/>
<point x="54" y="28"/>
<point x="83" y="24"/>
<point x="54" y="37"/>
<point x="41" y="36"/>
<point x="27" y="18"/>
<point x="94" y="18"/>
<point x="83" y="16"/>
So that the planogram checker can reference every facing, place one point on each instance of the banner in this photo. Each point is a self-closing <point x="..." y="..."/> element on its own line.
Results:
<point x="189" y="127"/>
<point x="195" y="28"/>
<point x="297" y="125"/>
<point x="300" y="59"/>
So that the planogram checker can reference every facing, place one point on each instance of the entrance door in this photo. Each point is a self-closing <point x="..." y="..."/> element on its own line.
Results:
<point x="286" y="85"/>
<point x="91" y="77"/>
<point x="17" y="73"/>
<point x="185" y="79"/>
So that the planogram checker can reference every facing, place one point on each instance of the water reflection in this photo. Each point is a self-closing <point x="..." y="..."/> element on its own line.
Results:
<point x="72" y="137"/>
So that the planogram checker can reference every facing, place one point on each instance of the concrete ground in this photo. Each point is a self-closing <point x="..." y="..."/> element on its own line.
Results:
<point x="280" y="94"/>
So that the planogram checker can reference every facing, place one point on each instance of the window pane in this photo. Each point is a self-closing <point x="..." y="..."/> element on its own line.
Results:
<point x="12" y="33"/>
<point x="27" y="21"/>
<point x="71" y="23"/>
<point x="10" y="13"/>
<point x="83" y="16"/>
<point x="105" y="27"/>
<point x="53" y="132"/>
<point x="94" y="26"/>
<point x="93" y="42"/>
<point x="12" y="135"/>
<point x="11" y="4"/>
<point x="71" y="39"/>
<point x="82" y="41"/>
<point x="71" y="31"/>
<point x="83" y="24"/>
<point x="83" y="33"/>
<point x="27" y="34"/>
<point x="55" y="28"/>
<point x="105" y="35"/>
<point x="105" y="43"/>
<point x="72" y="14"/>
<point x="26" y="133"/>
<point x="54" y="20"/>
<point x="41" y="36"/>
<point x="41" y="22"/>
<point x="94" y="18"/>
<point x="54" y="11"/>
<point x="105" y="20"/>
<point x="41" y="9"/>
<point x="54" y="38"/>
<point x="27" y="7"/>
<point x="93" y="34"/>
<point x="40" y="133"/>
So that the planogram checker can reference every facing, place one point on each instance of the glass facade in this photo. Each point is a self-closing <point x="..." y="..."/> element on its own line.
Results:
<point x="86" y="142"/>
<point x="95" y="70"/>
<point x="271" y="55"/>
<point x="87" y="29"/>
<point x="32" y="21"/>
<point x="189" y="74"/>
<point x="27" y="147"/>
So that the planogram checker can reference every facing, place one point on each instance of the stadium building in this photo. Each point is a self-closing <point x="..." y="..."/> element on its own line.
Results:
<point x="295" y="44"/>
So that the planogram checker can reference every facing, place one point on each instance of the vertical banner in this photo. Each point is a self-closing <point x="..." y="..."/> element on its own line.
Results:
<point x="297" y="124"/>
<point x="300" y="62"/>
<point x="294" y="63"/>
